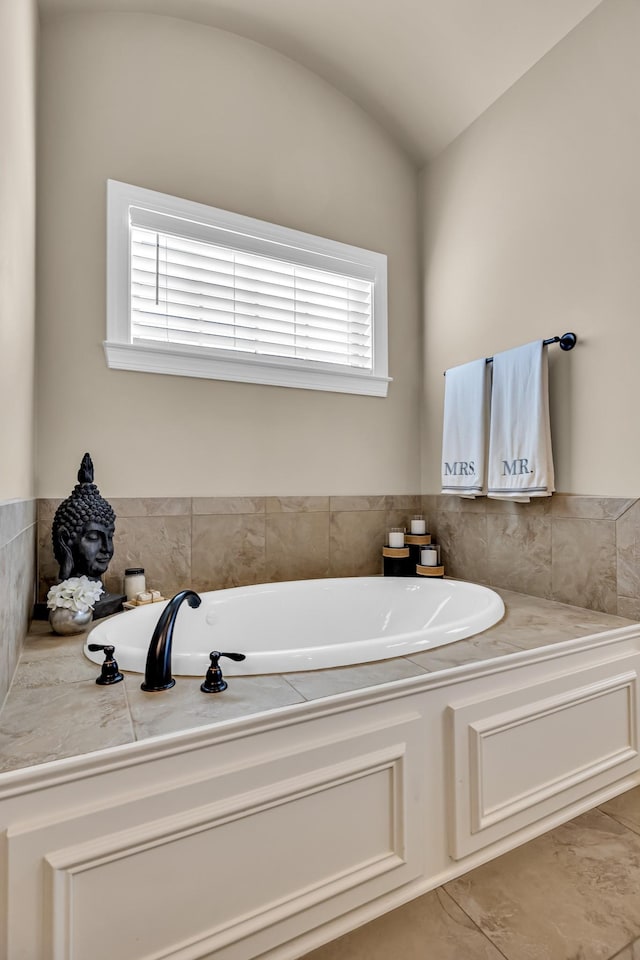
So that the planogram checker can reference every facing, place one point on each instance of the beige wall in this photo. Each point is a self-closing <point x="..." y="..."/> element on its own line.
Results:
<point x="18" y="41"/>
<point x="532" y="228"/>
<point x="199" y="113"/>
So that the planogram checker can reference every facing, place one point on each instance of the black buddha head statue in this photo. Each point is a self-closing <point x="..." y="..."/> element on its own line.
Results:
<point x="83" y="529"/>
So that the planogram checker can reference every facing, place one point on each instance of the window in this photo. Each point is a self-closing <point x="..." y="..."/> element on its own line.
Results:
<point x="201" y="292"/>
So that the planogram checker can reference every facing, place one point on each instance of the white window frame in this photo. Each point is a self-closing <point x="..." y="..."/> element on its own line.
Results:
<point x="202" y="222"/>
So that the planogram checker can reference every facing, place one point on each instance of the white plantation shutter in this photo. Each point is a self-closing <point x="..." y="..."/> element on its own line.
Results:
<point x="235" y="298"/>
<point x="186" y="291"/>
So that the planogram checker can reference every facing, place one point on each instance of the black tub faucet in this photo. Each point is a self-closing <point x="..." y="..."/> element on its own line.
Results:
<point x="157" y="674"/>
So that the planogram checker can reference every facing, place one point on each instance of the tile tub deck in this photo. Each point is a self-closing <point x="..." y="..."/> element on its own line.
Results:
<point x="54" y="709"/>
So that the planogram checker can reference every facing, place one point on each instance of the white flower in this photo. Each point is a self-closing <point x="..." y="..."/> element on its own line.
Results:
<point x="76" y="593"/>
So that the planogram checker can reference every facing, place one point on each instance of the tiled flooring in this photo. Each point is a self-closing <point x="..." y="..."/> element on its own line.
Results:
<point x="572" y="894"/>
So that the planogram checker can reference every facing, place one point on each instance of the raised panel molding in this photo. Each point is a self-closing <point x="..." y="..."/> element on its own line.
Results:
<point x="361" y="803"/>
<point x="484" y="814"/>
<point x="535" y="748"/>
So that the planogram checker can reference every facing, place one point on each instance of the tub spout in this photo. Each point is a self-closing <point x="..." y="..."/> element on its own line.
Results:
<point x="157" y="674"/>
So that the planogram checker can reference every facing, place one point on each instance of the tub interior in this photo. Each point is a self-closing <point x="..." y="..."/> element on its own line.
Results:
<point x="307" y="624"/>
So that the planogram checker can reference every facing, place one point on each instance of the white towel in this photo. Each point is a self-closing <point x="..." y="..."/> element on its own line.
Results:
<point x="520" y="458"/>
<point x="465" y="429"/>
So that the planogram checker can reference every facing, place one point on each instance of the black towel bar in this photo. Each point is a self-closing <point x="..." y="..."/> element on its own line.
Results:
<point x="567" y="342"/>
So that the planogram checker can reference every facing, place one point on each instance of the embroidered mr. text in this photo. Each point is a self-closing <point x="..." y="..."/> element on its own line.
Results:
<point x="513" y="468"/>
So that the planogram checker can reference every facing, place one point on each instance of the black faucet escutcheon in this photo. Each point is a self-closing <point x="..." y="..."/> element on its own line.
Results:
<point x="157" y="674"/>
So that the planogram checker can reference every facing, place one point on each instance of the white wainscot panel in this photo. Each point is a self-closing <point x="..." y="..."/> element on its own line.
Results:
<point x="524" y="754"/>
<point x="212" y="878"/>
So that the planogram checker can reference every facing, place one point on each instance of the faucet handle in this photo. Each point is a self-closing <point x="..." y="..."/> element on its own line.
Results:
<point x="213" y="682"/>
<point x="110" y="672"/>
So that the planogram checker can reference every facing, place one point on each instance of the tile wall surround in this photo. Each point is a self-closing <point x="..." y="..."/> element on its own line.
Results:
<point x="17" y="581"/>
<point x="209" y="543"/>
<point x="579" y="550"/>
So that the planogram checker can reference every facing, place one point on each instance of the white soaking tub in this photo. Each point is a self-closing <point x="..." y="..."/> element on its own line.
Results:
<point x="306" y="624"/>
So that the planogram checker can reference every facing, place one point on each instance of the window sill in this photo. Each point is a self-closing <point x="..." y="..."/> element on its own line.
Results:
<point x="186" y="362"/>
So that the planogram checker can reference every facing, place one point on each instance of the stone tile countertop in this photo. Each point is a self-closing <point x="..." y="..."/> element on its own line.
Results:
<point x="54" y="708"/>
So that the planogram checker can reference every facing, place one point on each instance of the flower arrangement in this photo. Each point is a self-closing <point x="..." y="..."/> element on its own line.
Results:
<point x="77" y="593"/>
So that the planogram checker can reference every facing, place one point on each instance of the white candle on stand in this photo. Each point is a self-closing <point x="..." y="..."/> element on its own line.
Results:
<point x="418" y="525"/>
<point x="429" y="557"/>
<point x="396" y="538"/>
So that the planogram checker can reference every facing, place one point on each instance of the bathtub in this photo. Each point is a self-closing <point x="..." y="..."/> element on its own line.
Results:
<point x="306" y="624"/>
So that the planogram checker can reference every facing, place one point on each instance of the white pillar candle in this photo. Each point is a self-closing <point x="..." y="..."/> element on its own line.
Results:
<point x="418" y="525"/>
<point x="396" y="538"/>
<point x="134" y="582"/>
<point x="429" y="558"/>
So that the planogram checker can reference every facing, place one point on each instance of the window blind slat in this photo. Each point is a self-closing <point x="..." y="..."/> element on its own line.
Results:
<point x="260" y="291"/>
<point x="214" y="306"/>
<point x="292" y="345"/>
<point x="144" y="319"/>
<point x="260" y="281"/>
<point x="184" y="301"/>
<point x="197" y="277"/>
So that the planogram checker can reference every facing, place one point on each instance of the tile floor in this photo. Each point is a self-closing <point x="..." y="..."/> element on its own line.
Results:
<point x="572" y="894"/>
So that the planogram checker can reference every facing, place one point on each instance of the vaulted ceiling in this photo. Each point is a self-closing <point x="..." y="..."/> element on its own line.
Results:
<point x="425" y="69"/>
